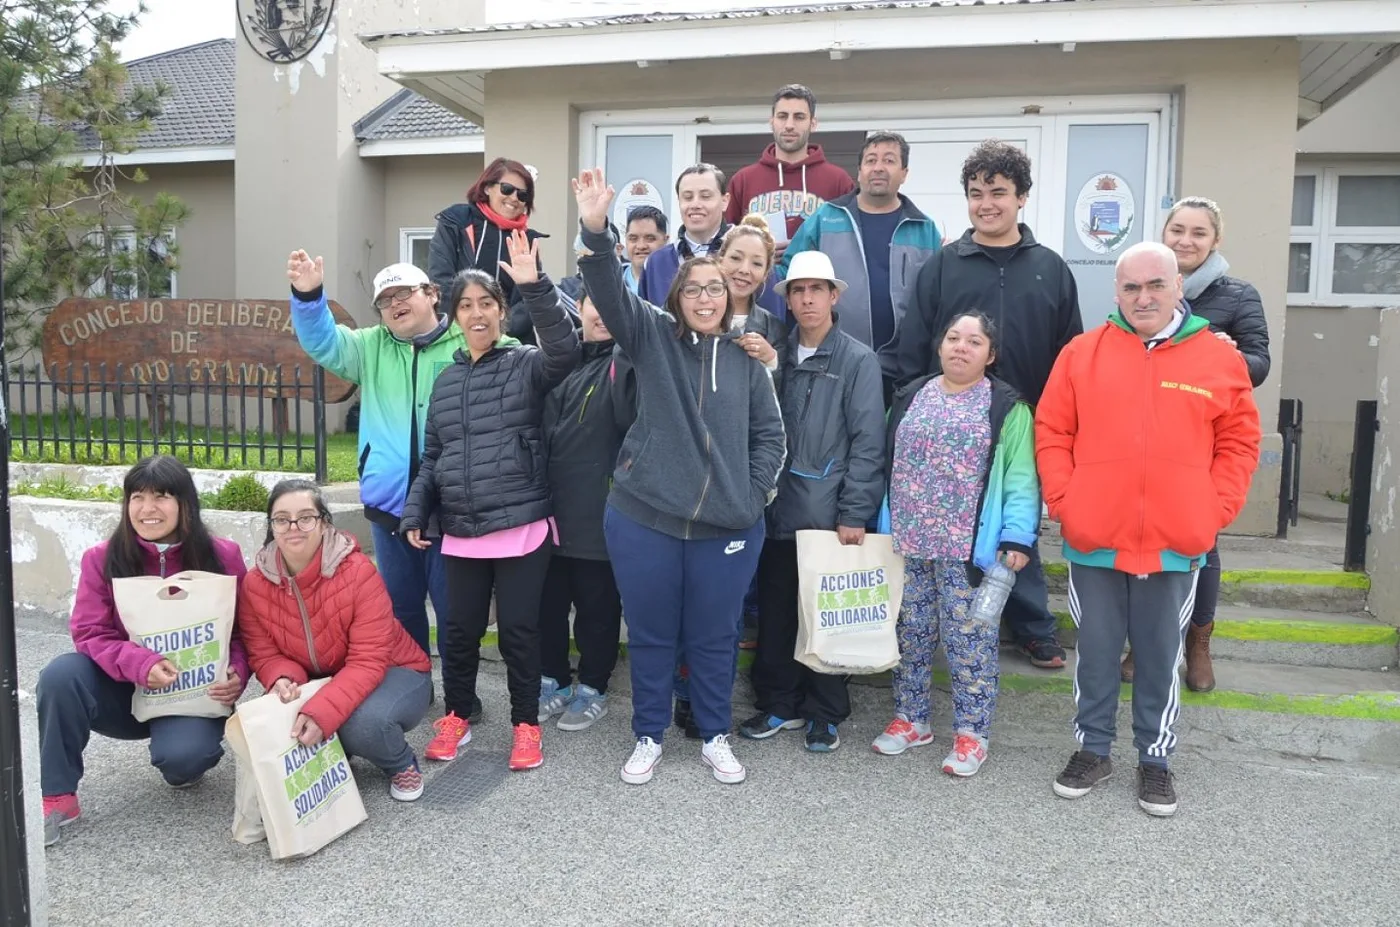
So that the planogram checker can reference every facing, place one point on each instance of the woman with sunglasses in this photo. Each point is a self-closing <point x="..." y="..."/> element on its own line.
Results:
<point x="684" y="522"/>
<point x="473" y="234"/>
<point x="314" y="606"/>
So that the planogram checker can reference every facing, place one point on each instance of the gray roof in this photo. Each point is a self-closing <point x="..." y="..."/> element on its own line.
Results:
<point x="198" y="113"/>
<point x="408" y="115"/>
<point x="636" y="19"/>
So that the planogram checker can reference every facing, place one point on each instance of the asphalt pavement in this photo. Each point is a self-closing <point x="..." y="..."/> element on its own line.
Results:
<point x="1267" y="834"/>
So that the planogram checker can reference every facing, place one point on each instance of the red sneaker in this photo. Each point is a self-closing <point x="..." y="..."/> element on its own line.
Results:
<point x="451" y="732"/>
<point x="59" y="811"/>
<point x="526" y="754"/>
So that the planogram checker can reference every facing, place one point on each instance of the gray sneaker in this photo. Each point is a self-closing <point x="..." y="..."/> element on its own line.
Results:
<point x="553" y="699"/>
<point x="587" y="706"/>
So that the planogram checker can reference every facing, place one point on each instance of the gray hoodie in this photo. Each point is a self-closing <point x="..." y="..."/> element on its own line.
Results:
<point x="702" y="459"/>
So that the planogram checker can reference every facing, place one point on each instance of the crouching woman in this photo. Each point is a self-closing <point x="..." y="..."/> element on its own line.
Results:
<point x="314" y="606"/>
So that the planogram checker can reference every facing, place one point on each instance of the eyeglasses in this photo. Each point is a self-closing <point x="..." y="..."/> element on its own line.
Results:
<point x="281" y="523"/>
<point x="510" y="189"/>
<point x="399" y="296"/>
<point x="714" y="288"/>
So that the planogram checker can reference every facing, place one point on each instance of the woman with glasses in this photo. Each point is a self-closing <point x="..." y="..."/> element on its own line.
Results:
<point x="684" y="522"/>
<point x="473" y="234"/>
<point x="314" y="606"/>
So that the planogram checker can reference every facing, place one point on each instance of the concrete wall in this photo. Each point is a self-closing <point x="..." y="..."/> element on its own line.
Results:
<point x="1329" y="362"/>
<point x="1383" y="549"/>
<point x="49" y="537"/>
<point x="417" y="188"/>
<point x="532" y="115"/>
<point x="1352" y="127"/>
<point x="206" y="239"/>
<point x="35" y="859"/>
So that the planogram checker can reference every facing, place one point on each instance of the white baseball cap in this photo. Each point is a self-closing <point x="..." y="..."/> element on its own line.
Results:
<point x="810" y="265"/>
<point x="397" y="275"/>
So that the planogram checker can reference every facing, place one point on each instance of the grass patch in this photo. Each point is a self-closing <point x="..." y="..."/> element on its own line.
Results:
<point x="1337" y="579"/>
<point x="243" y="493"/>
<point x="197" y="447"/>
<point x="1288" y="632"/>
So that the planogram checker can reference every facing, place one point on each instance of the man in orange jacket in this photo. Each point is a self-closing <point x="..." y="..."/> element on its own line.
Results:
<point x="1147" y="437"/>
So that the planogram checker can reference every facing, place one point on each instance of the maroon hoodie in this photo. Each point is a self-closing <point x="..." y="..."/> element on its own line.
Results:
<point x="795" y="190"/>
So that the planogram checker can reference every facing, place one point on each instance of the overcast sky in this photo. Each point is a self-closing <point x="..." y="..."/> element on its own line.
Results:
<point x="174" y="24"/>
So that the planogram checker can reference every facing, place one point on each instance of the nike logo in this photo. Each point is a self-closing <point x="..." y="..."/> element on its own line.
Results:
<point x="734" y="547"/>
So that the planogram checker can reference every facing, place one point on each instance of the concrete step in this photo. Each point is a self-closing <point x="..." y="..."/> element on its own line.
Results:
<point x="1287" y="636"/>
<point x="1281" y="586"/>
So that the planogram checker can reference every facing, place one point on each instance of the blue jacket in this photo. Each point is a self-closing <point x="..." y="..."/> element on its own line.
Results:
<point x="661" y="267"/>
<point x="834" y="231"/>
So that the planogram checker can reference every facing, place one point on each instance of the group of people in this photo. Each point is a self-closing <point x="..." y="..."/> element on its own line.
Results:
<point x="644" y="441"/>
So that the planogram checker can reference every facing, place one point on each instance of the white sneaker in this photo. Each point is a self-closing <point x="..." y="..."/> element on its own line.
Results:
<point x="642" y="763"/>
<point x="900" y="736"/>
<point x="717" y="755"/>
<point x="968" y="755"/>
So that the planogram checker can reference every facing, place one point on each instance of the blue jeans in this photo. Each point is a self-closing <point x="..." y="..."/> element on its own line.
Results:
<point x="77" y="697"/>
<point x="412" y="576"/>
<point x="678" y="593"/>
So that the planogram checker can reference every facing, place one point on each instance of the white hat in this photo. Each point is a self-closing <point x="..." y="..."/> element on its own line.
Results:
<point x="810" y="265"/>
<point x="397" y="275"/>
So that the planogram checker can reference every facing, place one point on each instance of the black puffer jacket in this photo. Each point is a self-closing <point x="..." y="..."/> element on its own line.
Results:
<point x="585" y="419"/>
<point x="1233" y="306"/>
<point x="483" y="466"/>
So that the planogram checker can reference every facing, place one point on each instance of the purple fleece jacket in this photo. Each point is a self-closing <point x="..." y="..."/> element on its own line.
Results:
<point x="98" y="633"/>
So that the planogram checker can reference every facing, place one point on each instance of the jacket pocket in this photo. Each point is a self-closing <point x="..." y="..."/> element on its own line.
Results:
<point x="808" y="497"/>
<point x="525" y="453"/>
<point x="364" y="457"/>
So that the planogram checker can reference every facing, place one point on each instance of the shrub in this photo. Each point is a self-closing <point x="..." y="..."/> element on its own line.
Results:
<point x="243" y="493"/>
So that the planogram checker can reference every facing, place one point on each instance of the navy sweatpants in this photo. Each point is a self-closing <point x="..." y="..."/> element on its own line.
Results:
<point x="681" y="593"/>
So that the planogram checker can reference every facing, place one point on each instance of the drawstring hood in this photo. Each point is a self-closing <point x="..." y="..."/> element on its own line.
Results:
<point x="819" y="157"/>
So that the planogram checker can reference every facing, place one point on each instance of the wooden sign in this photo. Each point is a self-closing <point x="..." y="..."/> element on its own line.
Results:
<point x="183" y="344"/>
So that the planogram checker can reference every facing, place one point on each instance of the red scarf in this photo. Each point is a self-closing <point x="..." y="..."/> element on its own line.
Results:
<point x="500" y="221"/>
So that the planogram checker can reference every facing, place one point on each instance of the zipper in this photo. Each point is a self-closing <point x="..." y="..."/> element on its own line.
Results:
<point x="1142" y="493"/>
<point x="305" y="623"/>
<point x="414" y="451"/>
<point x="705" y="488"/>
<point x="466" y="440"/>
<point x="162" y="564"/>
<point x="586" y="396"/>
<point x="1001" y="295"/>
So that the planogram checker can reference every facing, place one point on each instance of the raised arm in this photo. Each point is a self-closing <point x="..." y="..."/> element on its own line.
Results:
<point x="335" y="347"/>
<point x="630" y="318"/>
<point x="554" y="327"/>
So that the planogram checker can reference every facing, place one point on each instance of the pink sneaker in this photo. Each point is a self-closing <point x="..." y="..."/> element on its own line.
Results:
<point x="900" y="736"/>
<point x="451" y="732"/>
<point x="969" y="753"/>
<point x="59" y="811"/>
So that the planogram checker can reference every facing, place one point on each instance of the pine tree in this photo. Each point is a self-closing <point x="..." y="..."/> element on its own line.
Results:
<point x="68" y="230"/>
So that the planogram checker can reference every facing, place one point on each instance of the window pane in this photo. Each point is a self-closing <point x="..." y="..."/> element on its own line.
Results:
<point x="1299" y="267"/>
<point x="1304" y="193"/>
<point x="1368" y="200"/>
<point x="1366" y="269"/>
<point x="418" y="248"/>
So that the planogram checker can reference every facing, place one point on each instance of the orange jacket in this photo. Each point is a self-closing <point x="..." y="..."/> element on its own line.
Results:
<point x="1144" y="456"/>
<point x="346" y="630"/>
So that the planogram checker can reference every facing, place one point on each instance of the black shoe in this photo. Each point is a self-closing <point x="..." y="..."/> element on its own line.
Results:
<point x="1084" y="771"/>
<point x="1044" y="653"/>
<point x="683" y="719"/>
<point x="1156" y="795"/>
<point x="821" y="737"/>
<point x="763" y="725"/>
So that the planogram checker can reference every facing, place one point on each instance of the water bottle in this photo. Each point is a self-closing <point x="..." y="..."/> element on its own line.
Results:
<point x="992" y="594"/>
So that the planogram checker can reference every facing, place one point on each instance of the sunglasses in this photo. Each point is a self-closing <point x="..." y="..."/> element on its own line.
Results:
<point x="510" y="189"/>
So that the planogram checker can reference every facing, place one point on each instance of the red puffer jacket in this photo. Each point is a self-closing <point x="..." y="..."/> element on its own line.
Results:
<point x="334" y="619"/>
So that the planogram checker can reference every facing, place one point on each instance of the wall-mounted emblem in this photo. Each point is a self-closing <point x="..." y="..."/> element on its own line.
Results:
<point x="1104" y="213"/>
<point x="283" y="31"/>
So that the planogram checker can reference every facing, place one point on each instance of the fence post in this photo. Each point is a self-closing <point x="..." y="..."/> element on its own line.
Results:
<point x="1290" y="426"/>
<point x="1363" y="459"/>
<point x="318" y="398"/>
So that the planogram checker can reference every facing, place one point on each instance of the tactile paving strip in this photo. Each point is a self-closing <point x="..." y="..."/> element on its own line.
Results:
<point x="467" y="780"/>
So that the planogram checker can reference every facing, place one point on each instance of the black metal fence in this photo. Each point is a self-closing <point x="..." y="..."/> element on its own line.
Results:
<point x="251" y="417"/>
<point x="1290" y="484"/>
<point x="1363" y="462"/>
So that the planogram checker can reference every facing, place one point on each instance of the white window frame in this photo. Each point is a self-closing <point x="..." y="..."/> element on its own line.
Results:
<point x="1324" y="235"/>
<point x="407" y="236"/>
<point x="1052" y="115"/>
<point x="127" y="233"/>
